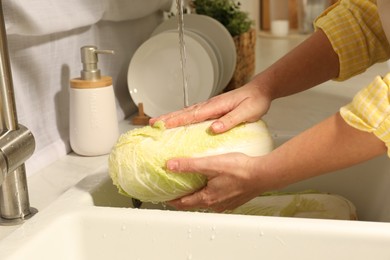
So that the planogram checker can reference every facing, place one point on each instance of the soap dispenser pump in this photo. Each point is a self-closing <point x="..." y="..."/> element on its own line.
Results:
<point x="93" y="117"/>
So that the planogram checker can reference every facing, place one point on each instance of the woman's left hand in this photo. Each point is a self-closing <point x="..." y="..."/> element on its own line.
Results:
<point x="232" y="181"/>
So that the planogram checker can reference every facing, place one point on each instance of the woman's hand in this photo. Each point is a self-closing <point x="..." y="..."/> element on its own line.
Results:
<point x="309" y="64"/>
<point x="232" y="181"/>
<point x="245" y="104"/>
<point x="235" y="178"/>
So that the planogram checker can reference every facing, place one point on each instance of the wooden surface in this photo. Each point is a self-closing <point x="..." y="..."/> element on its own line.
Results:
<point x="265" y="15"/>
<point x="105" y="81"/>
<point x="293" y="14"/>
<point x="140" y="118"/>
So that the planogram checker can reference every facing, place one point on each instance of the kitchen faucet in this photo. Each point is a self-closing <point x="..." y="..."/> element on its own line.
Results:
<point x="17" y="144"/>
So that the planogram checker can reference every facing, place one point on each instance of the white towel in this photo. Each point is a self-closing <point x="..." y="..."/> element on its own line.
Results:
<point x="44" y="41"/>
<point x="40" y="17"/>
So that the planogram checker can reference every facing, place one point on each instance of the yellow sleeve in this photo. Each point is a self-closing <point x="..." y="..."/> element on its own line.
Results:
<point x="369" y="110"/>
<point x="356" y="34"/>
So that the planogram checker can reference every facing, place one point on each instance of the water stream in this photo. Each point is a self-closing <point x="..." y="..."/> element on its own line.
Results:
<point x="183" y="56"/>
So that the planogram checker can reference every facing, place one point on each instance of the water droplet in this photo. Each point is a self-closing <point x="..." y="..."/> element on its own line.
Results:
<point x="212" y="237"/>
<point x="189" y="257"/>
<point x="123" y="228"/>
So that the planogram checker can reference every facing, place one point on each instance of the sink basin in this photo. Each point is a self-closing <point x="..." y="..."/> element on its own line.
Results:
<point x="105" y="194"/>
<point x="119" y="233"/>
<point x="92" y="221"/>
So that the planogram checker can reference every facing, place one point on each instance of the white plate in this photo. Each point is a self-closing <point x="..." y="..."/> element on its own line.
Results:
<point x="155" y="79"/>
<point x="217" y="36"/>
<point x="213" y="57"/>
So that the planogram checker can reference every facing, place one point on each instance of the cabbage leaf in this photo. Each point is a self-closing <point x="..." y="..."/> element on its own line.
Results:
<point x="137" y="163"/>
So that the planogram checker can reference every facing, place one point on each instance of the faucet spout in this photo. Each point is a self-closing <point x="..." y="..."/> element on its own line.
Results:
<point x="17" y="144"/>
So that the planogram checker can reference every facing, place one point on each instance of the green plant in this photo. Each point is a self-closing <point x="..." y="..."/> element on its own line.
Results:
<point x="226" y="12"/>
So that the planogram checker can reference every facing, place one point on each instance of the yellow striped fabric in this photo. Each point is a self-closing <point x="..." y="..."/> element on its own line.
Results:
<point x="370" y="110"/>
<point x="355" y="32"/>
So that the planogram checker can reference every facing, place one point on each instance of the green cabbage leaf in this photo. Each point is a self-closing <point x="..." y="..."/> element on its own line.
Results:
<point x="308" y="204"/>
<point x="137" y="163"/>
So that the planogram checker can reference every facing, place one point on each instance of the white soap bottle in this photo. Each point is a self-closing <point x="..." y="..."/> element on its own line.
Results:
<point x="93" y="118"/>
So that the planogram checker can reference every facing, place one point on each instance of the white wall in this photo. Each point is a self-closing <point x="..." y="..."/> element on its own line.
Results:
<point x="253" y="8"/>
<point x="44" y="39"/>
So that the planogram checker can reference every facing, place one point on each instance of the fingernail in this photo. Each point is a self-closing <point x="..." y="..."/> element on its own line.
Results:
<point x="217" y="126"/>
<point x="172" y="165"/>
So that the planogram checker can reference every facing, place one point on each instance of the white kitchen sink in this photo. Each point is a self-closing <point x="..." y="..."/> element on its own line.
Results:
<point x="119" y="233"/>
<point x="92" y="221"/>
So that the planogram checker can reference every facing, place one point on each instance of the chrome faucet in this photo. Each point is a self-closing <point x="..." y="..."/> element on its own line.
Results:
<point x="17" y="144"/>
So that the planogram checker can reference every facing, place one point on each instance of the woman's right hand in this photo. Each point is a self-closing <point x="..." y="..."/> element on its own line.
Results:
<point x="309" y="64"/>
<point x="245" y="104"/>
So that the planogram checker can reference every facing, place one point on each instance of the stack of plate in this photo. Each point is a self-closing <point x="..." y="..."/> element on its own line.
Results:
<point x="155" y="75"/>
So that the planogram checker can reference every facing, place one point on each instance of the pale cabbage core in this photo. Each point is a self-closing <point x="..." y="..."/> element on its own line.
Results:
<point x="137" y="163"/>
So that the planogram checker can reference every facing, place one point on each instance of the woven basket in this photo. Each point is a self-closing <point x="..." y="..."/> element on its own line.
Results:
<point x="245" y="64"/>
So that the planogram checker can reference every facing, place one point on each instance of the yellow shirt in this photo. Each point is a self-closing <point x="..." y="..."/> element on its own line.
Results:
<point x="356" y="34"/>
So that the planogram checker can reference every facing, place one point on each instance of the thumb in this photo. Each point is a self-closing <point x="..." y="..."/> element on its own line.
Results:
<point x="244" y="112"/>
<point x="206" y="166"/>
<point x="227" y="122"/>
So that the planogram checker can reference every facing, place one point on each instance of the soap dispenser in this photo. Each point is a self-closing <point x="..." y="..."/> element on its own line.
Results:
<point x="93" y="117"/>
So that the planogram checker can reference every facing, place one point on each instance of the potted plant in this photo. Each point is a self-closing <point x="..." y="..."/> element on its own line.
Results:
<point x="240" y="26"/>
